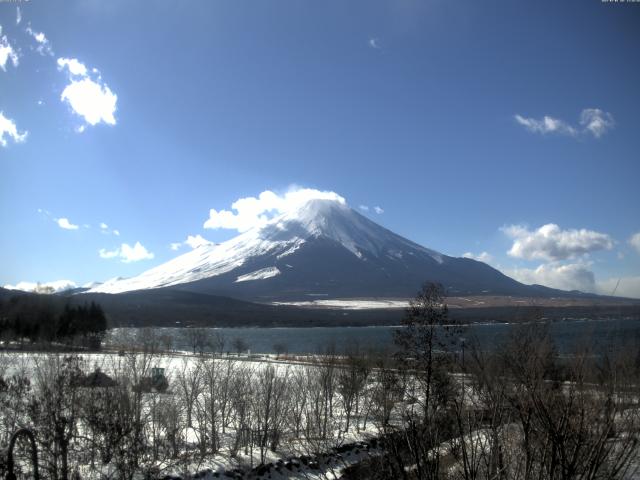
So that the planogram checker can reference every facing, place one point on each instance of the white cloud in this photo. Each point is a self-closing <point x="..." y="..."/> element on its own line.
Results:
<point x="373" y="43"/>
<point x="8" y="127"/>
<point x="66" y="224"/>
<point x="18" y="15"/>
<point x="622" y="287"/>
<point x="378" y="210"/>
<point x="104" y="253"/>
<point x="46" y="287"/>
<point x="596" y="121"/>
<point x="593" y="121"/>
<point x="550" y="242"/>
<point x="195" y="241"/>
<point x="92" y="101"/>
<point x="481" y="257"/>
<point x="364" y="208"/>
<point x="251" y="211"/>
<point x="89" y="98"/>
<point x="135" y="253"/>
<point x="104" y="228"/>
<point x="545" y="125"/>
<point x="574" y="276"/>
<point x="7" y="53"/>
<point x="127" y="253"/>
<point x="634" y="241"/>
<point x="74" y="66"/>
<point x="43" y="45"/>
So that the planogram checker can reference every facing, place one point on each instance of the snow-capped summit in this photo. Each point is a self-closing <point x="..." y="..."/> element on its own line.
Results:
<point x="320" y="248"/>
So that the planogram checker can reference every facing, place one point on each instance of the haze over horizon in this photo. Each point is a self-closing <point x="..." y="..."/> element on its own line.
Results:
<point x="130" y="134"/>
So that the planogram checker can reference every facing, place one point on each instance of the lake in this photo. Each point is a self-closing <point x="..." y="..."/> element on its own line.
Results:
<point x="566" y="334"/>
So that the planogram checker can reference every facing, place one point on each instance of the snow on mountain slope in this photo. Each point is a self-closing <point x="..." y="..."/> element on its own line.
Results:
<point x="283" y="236"/>
<point x="259" y="274"/>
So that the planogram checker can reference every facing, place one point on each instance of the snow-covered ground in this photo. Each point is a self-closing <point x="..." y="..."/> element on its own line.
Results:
<point x="286" y="461"/>
<point x="351" y="304"/>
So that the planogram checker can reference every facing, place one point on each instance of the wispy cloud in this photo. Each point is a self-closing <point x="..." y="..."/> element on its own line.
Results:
<point x="374" y="43"/>
<point x="550" y="242"/>
<point x="193" y="241"/>
<point x="104" y="253"/>
<point x="250" y="212"/>
<point x="596" y="121"/>
<point x="376" y="209"/>
<point x="104" y="228"/>
<point x="127" y="253"/>
<point x="545" y="125"/>
<point x="634" y="241"/>
<point x="18" y="15"/>
<point x="485" y="257"/>
<point x="593" y="121"/>
<point x="7" y="53"/>
<point x="74" y="66"/>
<point x="8" y="127"/>
<point x="87" y="95"/>
<point x="43" y="46"/>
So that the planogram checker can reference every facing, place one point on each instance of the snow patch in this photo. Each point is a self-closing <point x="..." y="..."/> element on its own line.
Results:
<point x="261" y="274"/>
<point x="349" y="304"/>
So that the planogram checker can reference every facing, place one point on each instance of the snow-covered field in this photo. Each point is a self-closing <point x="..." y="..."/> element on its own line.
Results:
<point x="194" y="381"/>
<point x="269" y="417"/>
<point x="354" y="304"/>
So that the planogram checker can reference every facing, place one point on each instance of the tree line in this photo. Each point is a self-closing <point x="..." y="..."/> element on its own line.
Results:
<point x="37" y="319"/>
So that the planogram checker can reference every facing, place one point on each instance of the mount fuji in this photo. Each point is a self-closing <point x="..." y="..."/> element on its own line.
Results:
<point x="322" y="249"/>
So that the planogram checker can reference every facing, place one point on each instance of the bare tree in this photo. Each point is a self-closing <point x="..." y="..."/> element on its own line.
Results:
<point x="351" y="382"/>
<point x="239" y="345"/>
<point x="55" y="408"/>
<point x="269" y="407"/>
<point x="280" y="348"/>
<point x="189" y="384"/>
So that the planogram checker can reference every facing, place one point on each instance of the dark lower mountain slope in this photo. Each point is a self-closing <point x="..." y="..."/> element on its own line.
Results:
<point x="323" y="268"/>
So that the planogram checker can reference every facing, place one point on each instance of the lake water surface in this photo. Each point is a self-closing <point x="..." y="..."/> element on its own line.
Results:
<point x="567" y="335"/>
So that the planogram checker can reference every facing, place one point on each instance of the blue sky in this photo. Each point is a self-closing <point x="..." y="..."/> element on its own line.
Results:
<point x="473" y="124"/>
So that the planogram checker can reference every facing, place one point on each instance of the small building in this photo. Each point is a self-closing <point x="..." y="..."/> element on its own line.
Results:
<point x="157" y="374"/>
<point x="98" y="379"/>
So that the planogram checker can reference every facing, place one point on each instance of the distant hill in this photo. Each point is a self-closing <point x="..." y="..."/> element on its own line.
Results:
<point x="176" y="308"/>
